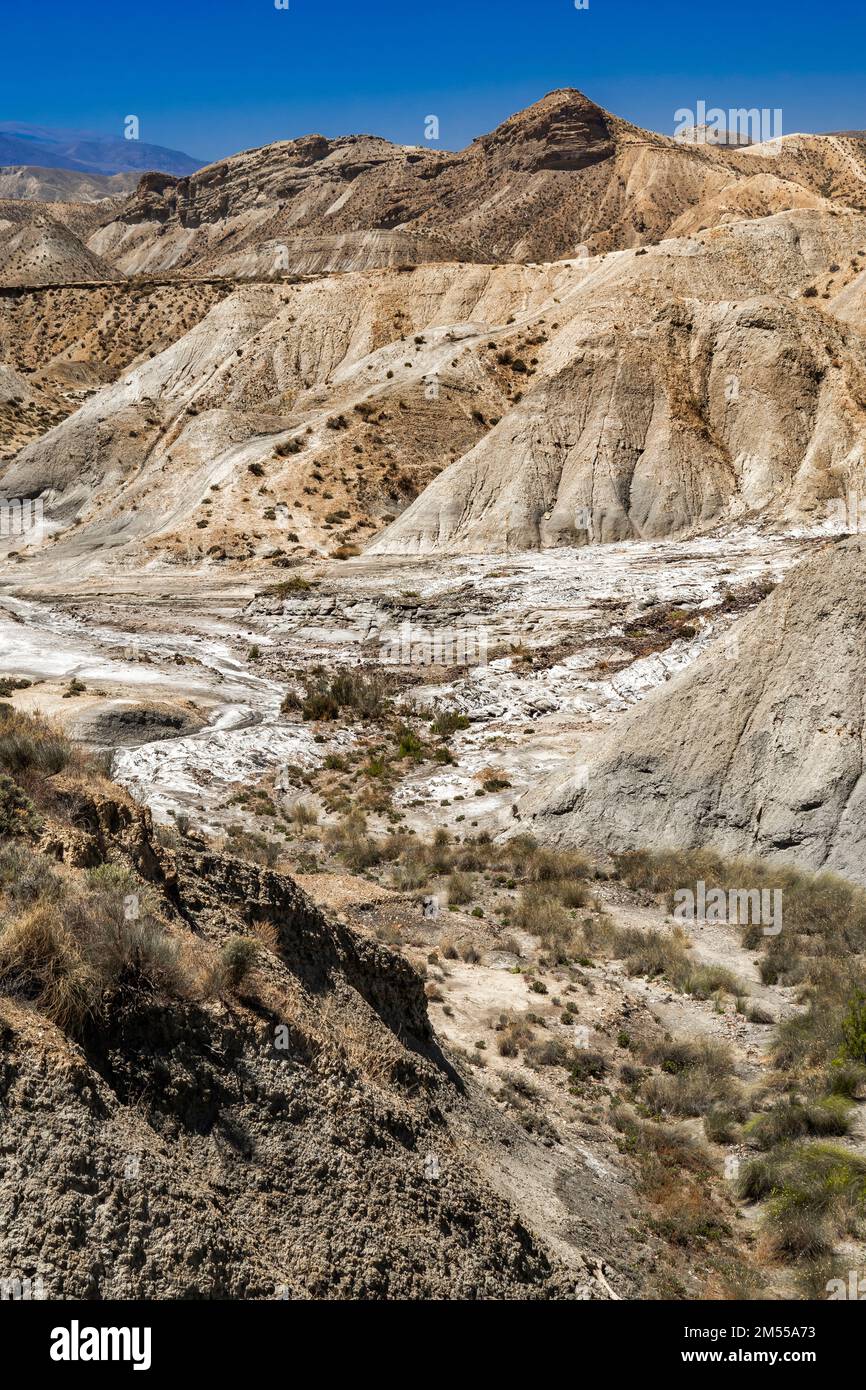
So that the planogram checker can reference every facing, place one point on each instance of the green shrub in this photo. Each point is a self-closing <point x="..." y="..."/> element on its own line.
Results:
<point x="815" y="1191"/>
<point x="794" y="1119"/>
<point x="586" y="1064"/>
<point x="18" y="815"/>
<point x="854" y="1028"/>
<point x="448" y="722"/>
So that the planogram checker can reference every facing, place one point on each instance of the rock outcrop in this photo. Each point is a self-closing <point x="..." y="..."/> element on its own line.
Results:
<point x="756" y="749"/>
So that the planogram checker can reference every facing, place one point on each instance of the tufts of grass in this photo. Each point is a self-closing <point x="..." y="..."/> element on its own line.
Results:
<point x="73" y="953"/>
<point x="791" y="1119"/>
<point x="815" y="1193"/>
<point x="360" y="694"/>
<point x="237" y="958"/>
<point x="31" y="745"/>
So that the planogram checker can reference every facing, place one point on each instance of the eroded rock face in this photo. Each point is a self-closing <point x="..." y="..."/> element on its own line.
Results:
<point x="563" y="131"/>
<point x="559" y="175"/>
<point x="756" y="749"/>
<point x="682" y="390"/>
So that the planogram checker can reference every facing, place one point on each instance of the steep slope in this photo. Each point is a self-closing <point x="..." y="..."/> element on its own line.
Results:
<point x="631" y="395"/>
<point x="756" y="749"/>
<point x="703" y="379"/>
<point x="338" y="399"/>
<point x="59" y="345"/>
<point x="39" y="249"/>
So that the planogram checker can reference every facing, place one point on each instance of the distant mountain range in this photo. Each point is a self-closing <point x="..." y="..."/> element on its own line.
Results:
<point x="87" y="152"/>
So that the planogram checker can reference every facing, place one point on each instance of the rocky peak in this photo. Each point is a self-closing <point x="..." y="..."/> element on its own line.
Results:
<point x="565" y="130"/>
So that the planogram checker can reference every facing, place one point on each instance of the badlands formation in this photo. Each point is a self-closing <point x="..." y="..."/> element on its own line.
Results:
<point x="409" y="526"/>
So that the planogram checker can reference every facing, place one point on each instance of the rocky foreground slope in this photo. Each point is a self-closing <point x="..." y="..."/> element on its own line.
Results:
<point x="756" y="749"/>
<point x="212" y="1089"/>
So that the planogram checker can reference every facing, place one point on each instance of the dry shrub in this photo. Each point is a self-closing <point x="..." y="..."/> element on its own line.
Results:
<point x="72" y="952"/>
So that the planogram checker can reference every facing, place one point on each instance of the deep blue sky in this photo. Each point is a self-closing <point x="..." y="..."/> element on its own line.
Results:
<point x="214" y="77"/>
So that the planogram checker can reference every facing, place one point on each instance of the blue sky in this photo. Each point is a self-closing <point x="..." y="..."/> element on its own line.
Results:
<point x="212" y="78"/>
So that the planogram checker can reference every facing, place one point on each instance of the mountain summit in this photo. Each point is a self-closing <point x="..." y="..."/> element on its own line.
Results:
<point x="564" y="130"/>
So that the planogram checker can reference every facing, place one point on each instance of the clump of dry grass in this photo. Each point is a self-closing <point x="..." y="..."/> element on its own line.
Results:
<point x="515" y="1034"/>
<point x="461" y="888"/>
<point x="545" y="917"/>
<point x="29" y="745"/>
<point x="666" y="954"/>
<point x="237" y="958"/>
<point x="86" y="941"/>
<point x="792" y="1119"/>
<point x="251" y="846"/>
<point x="815" y="1193"/>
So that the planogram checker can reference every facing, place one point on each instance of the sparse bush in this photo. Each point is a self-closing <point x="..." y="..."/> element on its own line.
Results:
<point x="73" y="953"/>
<point x="814" y="1191"/>
<point x="28" y="877"/>
<point x="448" y="722"/>
<point x="721" y="1125"/>
<point x="550" y="1052"/>
<point x="461" y="888"/>
<point x="252" y="846"/>
<point x="854" y="1028"/>
<point x="547" y="865"/>
<point x="547" y="919"/>
<point x="586" y="1065"/>
<point x="237" y="958"/>
<point x="364" y="694"/>
<point x="28" y="744"/>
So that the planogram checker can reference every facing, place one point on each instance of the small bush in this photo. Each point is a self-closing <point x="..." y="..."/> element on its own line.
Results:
<point x="237" y="958"/>
<point x="18" y="815"/>
<point x="28" y="744"/>
<point x="854" y="1028"/>
<point x="586" y="1064"/>
<point x="461" y="888"/>
<point x="364" y="694"/>
<point x="794" y="1119"/>
<point x="814" y="1192"/>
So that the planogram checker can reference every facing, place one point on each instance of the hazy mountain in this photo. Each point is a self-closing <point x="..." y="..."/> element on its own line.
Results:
<point x="87" y="152"/>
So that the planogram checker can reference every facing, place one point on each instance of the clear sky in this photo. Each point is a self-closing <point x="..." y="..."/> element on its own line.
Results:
<point x="214" y="76"/>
